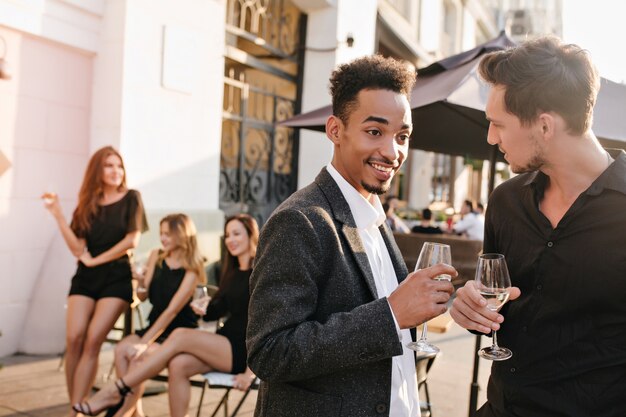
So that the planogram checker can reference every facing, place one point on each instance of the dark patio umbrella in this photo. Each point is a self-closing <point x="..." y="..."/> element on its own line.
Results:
<point x="448" y="103"/>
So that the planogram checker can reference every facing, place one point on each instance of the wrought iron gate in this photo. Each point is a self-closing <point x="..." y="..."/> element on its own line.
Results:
<point x="258" y="164"/>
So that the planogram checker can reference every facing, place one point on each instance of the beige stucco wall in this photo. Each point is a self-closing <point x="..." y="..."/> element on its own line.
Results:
<point x="44" y="131"/>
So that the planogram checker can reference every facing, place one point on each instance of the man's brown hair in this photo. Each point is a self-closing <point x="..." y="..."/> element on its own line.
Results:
<point x="545" y="75"/>
<point x="368" y="73"/>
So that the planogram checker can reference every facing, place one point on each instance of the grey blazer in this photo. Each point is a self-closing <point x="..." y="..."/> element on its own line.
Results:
<point x="318" y="336"/>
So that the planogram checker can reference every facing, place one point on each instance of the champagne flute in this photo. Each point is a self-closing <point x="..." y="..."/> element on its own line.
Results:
<point x="139" y="269"/>
<point x="493" y="283"/>
<point x="430" y="255"/>
<point x="201" y="298"/>
<point x="48" y="198"/>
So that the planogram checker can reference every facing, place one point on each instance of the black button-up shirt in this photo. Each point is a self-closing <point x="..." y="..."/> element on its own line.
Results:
<point x="567" y="331"/>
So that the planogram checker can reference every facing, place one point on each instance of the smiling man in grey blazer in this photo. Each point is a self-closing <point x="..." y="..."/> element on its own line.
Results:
<point x="331" y="298"/>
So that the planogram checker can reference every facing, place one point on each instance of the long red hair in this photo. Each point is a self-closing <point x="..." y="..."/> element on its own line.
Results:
<point x="92" y="190"/>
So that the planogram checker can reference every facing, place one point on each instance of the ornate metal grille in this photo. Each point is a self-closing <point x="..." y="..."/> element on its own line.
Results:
<point x="258" y="159"/>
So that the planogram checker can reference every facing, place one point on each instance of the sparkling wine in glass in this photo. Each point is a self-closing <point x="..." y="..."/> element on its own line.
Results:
<point x="493" y="283"/>
<point x="48" y="197"/>
<point x="139" y="269"/>
<point x="430" y="255"/>
<point x="201" y="298"/>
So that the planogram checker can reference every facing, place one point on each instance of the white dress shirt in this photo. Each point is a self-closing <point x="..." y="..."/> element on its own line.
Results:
<point x="368" y="216"/>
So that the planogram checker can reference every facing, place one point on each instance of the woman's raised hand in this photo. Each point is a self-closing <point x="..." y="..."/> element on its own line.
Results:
<point x="51" y="203"/>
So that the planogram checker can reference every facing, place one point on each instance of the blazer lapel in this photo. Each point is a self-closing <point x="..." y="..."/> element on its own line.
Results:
<point x="394" y="252"/>
<point x="358" y="251"/>
<point x="342" y="213"/>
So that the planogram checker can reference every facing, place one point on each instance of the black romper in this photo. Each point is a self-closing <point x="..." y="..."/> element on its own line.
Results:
<point x="233" y="299"/>
<point x="164" y="284"/>
<point x="111" y="224"/>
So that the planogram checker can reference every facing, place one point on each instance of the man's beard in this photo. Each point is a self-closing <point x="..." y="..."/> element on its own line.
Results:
<point x="378" y="190"/>
<point x="535" y="163"/>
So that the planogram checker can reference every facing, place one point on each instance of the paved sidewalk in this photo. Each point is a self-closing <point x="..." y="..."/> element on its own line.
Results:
<point x="33" y="386"/>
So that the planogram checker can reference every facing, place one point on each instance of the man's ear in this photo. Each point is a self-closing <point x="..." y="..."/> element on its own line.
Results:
<point x="333" y="129"/>
<point x="547" y="125"/>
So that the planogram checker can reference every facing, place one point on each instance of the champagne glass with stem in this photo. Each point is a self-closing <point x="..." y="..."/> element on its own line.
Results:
<point x="493" y="283"/>
<point x="431" y="254"/>
<point x="139" y="269"/>
<point x="201" y="297"/>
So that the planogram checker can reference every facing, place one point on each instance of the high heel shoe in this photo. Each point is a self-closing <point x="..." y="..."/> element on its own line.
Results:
<point x="85" y="408"/>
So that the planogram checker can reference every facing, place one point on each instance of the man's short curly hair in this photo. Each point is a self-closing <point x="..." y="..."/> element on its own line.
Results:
<point x="368" y="73"/>
<point x="545" y="75"/>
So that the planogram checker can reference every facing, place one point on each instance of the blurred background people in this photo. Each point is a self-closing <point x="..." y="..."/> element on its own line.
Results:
<point x="472" y="224"/>
<point x="426" y="224"/>
<point x="105" y="227"/>
<point x="172" y="274"/>
<point x="191" y="351"/>
<point x="395" y="223"/>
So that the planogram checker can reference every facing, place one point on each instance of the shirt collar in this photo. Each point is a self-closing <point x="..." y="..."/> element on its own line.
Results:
<point x="613" y="178"/>
<point x="366" y="213"/>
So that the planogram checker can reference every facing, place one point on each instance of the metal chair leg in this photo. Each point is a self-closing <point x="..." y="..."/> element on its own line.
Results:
<point x="201" y="398"/>
<point x="223" y="402"/>
<point x="243" y="399"/>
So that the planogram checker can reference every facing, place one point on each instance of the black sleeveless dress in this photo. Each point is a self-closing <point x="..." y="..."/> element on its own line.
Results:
<point x="233" y="299"/>
<point x="112" y="223"/>
<point x="165" y="282"/>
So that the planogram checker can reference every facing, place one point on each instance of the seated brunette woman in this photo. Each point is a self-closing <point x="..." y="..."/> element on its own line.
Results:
<point x="187" y="351"/>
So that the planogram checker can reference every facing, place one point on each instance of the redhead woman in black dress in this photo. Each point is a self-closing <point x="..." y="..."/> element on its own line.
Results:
<point x="172" y="274"/>
<point x="105" y="227"/>
<point x="187" y="351"/>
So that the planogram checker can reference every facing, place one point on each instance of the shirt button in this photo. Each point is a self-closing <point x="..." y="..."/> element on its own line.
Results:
<point x="381" y="408"/>
<point x="512" y="370"/>
<point x="539" y="287"/>
<point x="550" y="244"/>
<point x="525" y="329"/>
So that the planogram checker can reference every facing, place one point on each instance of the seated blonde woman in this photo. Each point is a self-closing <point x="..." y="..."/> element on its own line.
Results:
<point x="187" y="351"/>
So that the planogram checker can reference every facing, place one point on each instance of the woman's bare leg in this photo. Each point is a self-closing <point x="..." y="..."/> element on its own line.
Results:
<point x="79" y="312"/>
<point x="106" y="312"/>
<point x="121" y="360"/>
<point x="180" y="369"/>
<point x="211" y="348"/>
<point x="132" y="403"/>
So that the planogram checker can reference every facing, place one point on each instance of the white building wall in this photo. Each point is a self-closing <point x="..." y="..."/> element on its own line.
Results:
<point x="356" y="17"/>
<point x="44" y="132"/>
<point x="469" y="31"/>
<point x="420" y="174"/>
<point x="170" y="132"/>
<point x="70" y="22"/>
<point x="430" y="24"/>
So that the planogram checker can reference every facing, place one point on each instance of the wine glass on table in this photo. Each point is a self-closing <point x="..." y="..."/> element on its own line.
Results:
<point x="430" y="255"/>
<point x="493" y="283"/>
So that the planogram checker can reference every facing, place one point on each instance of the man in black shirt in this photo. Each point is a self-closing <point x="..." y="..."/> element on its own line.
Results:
<point x="562" y="226"/>
<point x="426" y="226"/>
